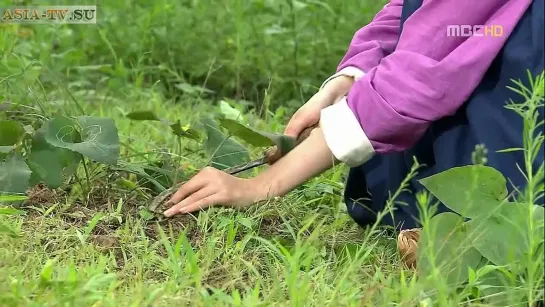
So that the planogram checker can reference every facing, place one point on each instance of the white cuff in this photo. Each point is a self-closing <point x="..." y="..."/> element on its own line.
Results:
<point x="349" y="71"/>
<point x="344" y="135"/>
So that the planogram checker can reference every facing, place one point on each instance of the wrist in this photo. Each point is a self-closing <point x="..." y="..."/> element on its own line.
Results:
<point x="290" y="171"/>
<point x="262" y="186"/>
<point x="339" y="86"/>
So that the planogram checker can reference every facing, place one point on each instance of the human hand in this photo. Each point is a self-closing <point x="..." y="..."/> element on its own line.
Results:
<point x="212" y="187"/>
<point x="309" y="114"/>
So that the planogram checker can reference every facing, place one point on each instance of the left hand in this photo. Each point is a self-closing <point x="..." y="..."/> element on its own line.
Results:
<point x="211" y="187"/>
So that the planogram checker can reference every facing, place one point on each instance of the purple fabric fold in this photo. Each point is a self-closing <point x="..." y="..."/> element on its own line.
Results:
<point x="376" y="40"/>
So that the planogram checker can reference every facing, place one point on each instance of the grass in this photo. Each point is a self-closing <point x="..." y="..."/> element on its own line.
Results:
<point x="86" y="244"/>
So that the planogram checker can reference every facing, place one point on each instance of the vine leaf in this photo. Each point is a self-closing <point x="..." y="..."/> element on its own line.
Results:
<point x="94" y="138"/>
<point x="471" y="190"/>
<point x="225" y="151"/>
<point x="48" y="163"/>
<point x="505" y="237"/>
<point x="496" y="288"/>
<point x="14" y="175"/>
<point x="10" y="132"/>
<point x="258" y="138"/>
<point x="444" y="245"/>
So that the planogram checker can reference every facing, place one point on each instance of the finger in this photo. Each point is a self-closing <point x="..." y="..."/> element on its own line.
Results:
<point x="201" y="204"/>
<point x="190" y="187"/>
<point x="294" y="127"/>
<point x="195" y="197"/>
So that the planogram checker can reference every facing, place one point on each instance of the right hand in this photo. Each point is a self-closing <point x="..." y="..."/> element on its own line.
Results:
<point x="309" y="114"/>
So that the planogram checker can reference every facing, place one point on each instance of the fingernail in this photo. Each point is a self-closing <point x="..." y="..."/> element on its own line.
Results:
<point x="169" y="213"/>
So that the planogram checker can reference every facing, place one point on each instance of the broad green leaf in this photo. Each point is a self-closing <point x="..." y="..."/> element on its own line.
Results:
<point x="46" y="168"/>
<point x="258" y="138"/>
<point x="245" y="133"/>
<point x="143" y="115"/>
<point x="468" y="190"/>
<point x="230" y="112"/>
<point x="225" y="151"/>
<point x="50" y="164"/>
<point x="444" y="245"/>
<point x="497" y="290"/>
<point x="14" y="175"/>
<point x="10" y="132"/>
<point x="94" y="138"/>
<point x="186" y="131"/>
<point x="504" y="237"/>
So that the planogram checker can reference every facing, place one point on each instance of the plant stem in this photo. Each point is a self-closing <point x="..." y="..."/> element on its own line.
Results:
<point x="86" y="174"/>
<point x="179" y="162"/>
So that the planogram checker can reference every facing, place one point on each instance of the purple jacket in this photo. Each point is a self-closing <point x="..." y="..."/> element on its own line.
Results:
<point x="404" y="83"/>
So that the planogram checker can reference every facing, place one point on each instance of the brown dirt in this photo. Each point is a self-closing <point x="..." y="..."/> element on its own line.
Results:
<point x="40" y="195"/>
<point x="269" y="226"/>
<point x="181" y="222"/>
<point x="102" y="198"/>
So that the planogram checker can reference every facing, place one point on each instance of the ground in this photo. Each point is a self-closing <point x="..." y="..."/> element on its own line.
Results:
<point x="89" y="243"/>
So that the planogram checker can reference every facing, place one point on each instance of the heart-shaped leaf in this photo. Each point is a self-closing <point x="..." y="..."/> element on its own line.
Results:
<point x="94" y="138"/>
<point x="444" y="245"/>
<point x="50" y="164"/>
<point x="497" y="289"/>
<point x="225" y="151"/>
<point x="258" y="138"/>
<point x="10" y="132"/>
<point x="504" y="237"/>
<point x="14" y="175"/>
<point x="471" y="190"/>
<point x="143" y="115"/>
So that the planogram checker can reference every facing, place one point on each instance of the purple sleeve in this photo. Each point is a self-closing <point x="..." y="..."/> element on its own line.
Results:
<point x="429" y="75"/>
<point x="376" y="40"/>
